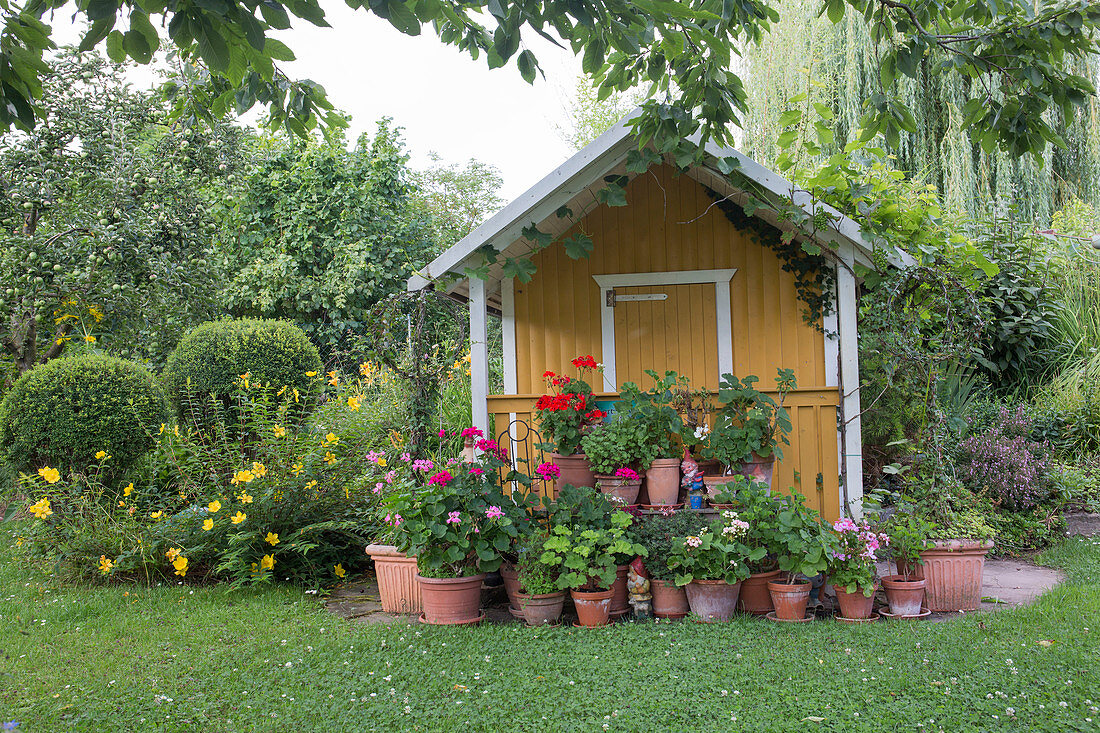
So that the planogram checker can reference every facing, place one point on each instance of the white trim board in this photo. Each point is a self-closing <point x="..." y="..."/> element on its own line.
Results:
<point x="721" y="280"/>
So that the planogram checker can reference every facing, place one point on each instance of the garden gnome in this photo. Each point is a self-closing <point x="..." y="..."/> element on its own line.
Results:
<point x="690" y="471"/>
<point x="637" y="584"/>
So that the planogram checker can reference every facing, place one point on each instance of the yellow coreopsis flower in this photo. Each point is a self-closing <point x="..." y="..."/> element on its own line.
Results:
<point x="238" y="518"/>
<point x="105" y="564"/>
<point x="267" y="562"/>
<point x="332" y="439"/>
<point x="272" y="538"/>
<point x="365" y="368"/>
<point x="173" y="553"/>
<point x="279" y="430"/>
<point x="180" y="564"/>
<point x="310" y="484"/>
<point x="90" y="339"/>
<point x="41" y="508"/>
<point x="162" y="429"/>
<point x="214" y="506"/>
<point x="208" y="524"/>
<point x="258" y="470"/>
<point x="156" y="515"/>
<point x="333" y="379"/>
<point x="311" y="374"/>
<point x="330" y="458"/>
<point x="339" y="570"/>
<point x="129" y="489"/>
<point x="353" y="403"/>
<point x="101" y="455"/>
<point x="50" y="475"/>
<point x="243" y="476"/>
<point x="382" y="462"/>
<point x="297" y="469"/>
<point x="245" y="498"/>
<point x="20" y="541"/>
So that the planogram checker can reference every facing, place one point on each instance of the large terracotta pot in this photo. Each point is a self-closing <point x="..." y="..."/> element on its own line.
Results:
<point x="953" y="569"/>
<point x="855" y="604"/>
<point x="540" y="609"/>
<point x="574" y="470"/>
<point x="906" y="597"/>
<point x="669" y="599"/>
<point x="663" y="481"/>
<point x="451" y="600"/>
<point x="396" y="573"/>
<point x="716" y="484"/>
<point x="625" y="490"/>
<point x="790" y="599"/>
<point x="755" y="597"/>
<point x="510" y="575"/>
<point x="759" y="469"/>
<point x="620" y="597"/>
<point x="593" y="607"/>
<point x="713" y="600"/>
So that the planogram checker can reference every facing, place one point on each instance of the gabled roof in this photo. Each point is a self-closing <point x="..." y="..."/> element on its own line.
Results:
<point x="583" y="175"/>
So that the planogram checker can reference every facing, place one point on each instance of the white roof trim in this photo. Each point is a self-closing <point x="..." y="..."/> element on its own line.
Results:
<point x="596" y="160"/>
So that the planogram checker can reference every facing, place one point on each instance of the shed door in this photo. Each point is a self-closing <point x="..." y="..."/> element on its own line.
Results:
<point x="662" y="327"/>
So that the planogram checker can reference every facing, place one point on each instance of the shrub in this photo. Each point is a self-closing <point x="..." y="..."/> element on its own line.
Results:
<point x="211" y="359"/>
<point x="656" y="533"/>
<point x="1004" y="464"/>
<point x="64" y="412"/>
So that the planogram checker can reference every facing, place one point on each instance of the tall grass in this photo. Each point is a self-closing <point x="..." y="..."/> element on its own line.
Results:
<point x="1075" y="335"/>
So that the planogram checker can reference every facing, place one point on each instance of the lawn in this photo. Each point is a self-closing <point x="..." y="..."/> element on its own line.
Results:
<point x="204" y="658"/>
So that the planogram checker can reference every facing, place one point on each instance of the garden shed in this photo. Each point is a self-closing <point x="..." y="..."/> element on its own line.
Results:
<point x="679" y="278"/>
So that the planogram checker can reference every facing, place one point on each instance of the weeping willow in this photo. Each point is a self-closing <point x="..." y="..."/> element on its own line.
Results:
<point x="836" y="65"/>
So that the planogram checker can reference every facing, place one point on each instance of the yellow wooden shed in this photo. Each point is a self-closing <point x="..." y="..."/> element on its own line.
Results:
<point x="672" y="283"/>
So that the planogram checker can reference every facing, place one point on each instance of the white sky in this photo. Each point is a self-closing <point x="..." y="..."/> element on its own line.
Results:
<point x="445" y="101"/>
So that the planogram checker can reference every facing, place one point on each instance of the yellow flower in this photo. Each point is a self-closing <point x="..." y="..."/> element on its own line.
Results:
<point x="311" y="484"/>
<point x="243" y="476"/>
<point x="297" y="469"/>
<point x="272" y="538"/>
<point x="121" y="503"/>
<point x="51" y="475"/>
<point x="100" y="455"/>
<point x="330" y="458"/>
<point x="311" y="374"/>
<point x="238" y="518"/>
<point x="396" y="439"/>
<point x="382" y="462"/>
<point x="254" y="569"/>
<point x="156" y="515"/>
<point x="41" y="508"/>
<point x="267" y="562"/>
<point x="280" y="431"/>
<point x="19" y="541"/>
<point x="214" y="506"/>
<point x="295" y="394"/>
<point x="244" y="379"/>
<point x="280" y="392"/>
<point x="332" y="439"/>
<point x="339" y="570"/>
<point x="333" y="379"/>
<point x="180" y="564"/>
<point x="90" y="339"/>
<point x="278" y="496"/>
<point x="129" y="489"/>
<point x="105" y="565"/>
<point x="365" y="368"/>
<point x="353" y="403"/>
<point x="258" y="470"/>
<point x="208" y="524"/>
<point x="173" y="553"/>
<point x="245" y="498"/>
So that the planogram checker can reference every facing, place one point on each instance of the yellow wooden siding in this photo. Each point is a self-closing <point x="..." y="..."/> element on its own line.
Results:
<point x="664" y="228"/>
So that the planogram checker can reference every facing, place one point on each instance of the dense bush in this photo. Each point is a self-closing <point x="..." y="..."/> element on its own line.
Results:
<point x="66" y="411"/>
<point x="211" y="359"/>
<point x="1006" y="465"/>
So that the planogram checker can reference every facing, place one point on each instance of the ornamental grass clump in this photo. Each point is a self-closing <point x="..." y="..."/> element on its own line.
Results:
<point x="1004" y="464"/>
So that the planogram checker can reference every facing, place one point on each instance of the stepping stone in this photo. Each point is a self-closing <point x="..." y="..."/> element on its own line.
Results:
<point x="1016" y="583"/>
<point x="1083" y="524"/>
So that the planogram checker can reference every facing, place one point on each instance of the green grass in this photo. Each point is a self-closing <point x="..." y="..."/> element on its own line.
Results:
<point x="182" y="658"/>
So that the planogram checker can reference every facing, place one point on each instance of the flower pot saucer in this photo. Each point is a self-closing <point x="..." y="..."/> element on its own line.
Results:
<point x="661" y="507"/>
<point x="516" y="613"/>
<point x="772" y="617"/>
<point x="670" y="616"/>
<point x="924" y="613"/>
<point x="868" y="620"/>
<point x="467" y="622"/>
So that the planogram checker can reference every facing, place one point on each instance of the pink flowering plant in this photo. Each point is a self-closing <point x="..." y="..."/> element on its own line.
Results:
<point x="718" y="552"/>
<point x="852" y="561"/>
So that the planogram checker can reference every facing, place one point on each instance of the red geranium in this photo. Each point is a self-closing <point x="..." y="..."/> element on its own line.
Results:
<point x="565" y="414"/>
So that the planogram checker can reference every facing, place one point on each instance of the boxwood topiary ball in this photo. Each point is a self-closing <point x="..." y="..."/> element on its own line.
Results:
<point x="63" y="412"/>
<point x="210" y="359"/>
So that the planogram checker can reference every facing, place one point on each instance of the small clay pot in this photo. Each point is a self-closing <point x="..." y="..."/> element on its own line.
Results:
<point x="906" y="597"/>
<point x="669" y="599"/>
<point x="620" y="597"/>
<point x="575" y="471"/>
<point x="713" y="600"/>
<point x="854" y="605"/>
<point x="790" y="599"/>
<point x="626" y="490"/>
<point x="542" y="608"/>
<point x="396" y="573"/>
<point x="510" y="575"/>
<point x="593" y="607"/>
<point x="755" y="598"/>
<point x="450" y="601"/>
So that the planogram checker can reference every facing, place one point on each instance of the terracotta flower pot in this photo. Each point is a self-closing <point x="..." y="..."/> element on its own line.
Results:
<point x="953" y="569"/>
<point x="716" y="484"/>
<point x="593" y="607"/>
<point x="855" y="604"/>
<point x="906" y="597"/>
<point x="663" y="481"/>
<point x="910" y="570"/>
<point x="574" y="471"/>
<point x="710" y="467"/>
<point x="620" y="596"/>
<point x="790" y="599"/>
<point x="510" y="575"/>
<point x="540" y="609"/>
<point x="451" y="600"/>
<point x="759" y="469"/>
<point x="755" y="598"/>
<point x="669" y="600"/>
<point x="396" y="573"/>
<point x="713" y="600"/>
<point x="625" y="490"/>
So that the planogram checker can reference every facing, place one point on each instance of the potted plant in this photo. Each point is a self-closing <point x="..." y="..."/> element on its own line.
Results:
<point x="564" y="415"/>
<point x="802" y="542"/>
<point x="954" y="561"/>
<point x="655" y="408"/>
<point x="755" y="504"/>
<point x="852" y="568"/>
<point x="712" y="565"/>
<point x="750" y="426"/>
<point x="726" y="496"/>
<point x="539" y="598"/>
<point x="657" y="533"/>
<point x="585" y="558"/>
<point x="694" y="408"/>
<point x="908" y="533"/>
<point x="621" y="444"/>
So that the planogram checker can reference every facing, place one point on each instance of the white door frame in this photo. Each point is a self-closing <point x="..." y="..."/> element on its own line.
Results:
<point x="721" y="280"/>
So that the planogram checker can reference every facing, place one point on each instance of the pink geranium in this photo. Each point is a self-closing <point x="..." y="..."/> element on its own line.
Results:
<point x="627" y="473"/>
<point x="494" y="512"/>
<point x="477" y="471"/>
<point x="454" y="517"/>
<point x="472" y="433"/>
<point x="548" y="471"/>
<point x="441" y="479"/>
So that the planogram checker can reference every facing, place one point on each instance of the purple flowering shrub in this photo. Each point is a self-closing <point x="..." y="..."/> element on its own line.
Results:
<point x="1003" y="463"/>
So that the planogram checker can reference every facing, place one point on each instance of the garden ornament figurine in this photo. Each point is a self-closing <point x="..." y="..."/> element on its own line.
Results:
<point x="637" y="585"/>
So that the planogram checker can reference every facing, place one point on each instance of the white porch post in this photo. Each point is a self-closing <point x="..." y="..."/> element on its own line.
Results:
<point x="479" y="356"/>
<point x="852" y="440"/>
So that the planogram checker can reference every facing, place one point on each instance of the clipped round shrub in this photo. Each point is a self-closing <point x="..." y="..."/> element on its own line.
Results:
<point x="210" y="360"/>
<point x="65" y="411"/>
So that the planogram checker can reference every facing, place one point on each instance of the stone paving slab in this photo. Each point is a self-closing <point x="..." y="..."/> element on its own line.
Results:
<point x="1083" y="524"/>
